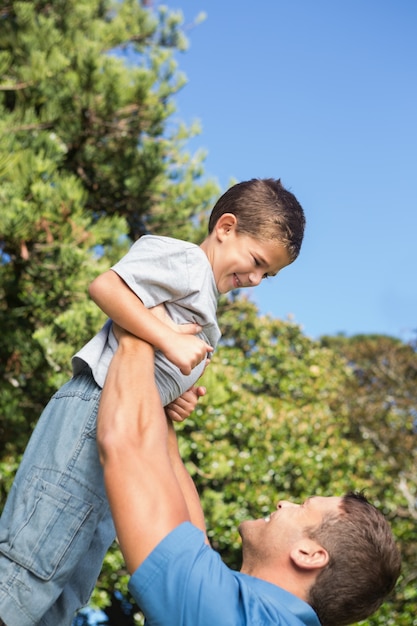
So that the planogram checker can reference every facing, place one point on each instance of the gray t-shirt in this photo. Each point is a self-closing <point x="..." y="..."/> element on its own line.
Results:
<point x="169" y="271"/>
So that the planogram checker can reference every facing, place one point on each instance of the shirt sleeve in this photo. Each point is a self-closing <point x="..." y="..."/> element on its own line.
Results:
<point x="184" y="582"/>
<point x="156" y="269"/>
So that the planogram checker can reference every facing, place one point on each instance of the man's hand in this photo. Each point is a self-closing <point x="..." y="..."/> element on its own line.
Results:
<point x="182" y="407"/>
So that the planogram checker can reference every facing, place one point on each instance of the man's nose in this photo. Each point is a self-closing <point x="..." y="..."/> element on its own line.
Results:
<point x="282" y="504"/>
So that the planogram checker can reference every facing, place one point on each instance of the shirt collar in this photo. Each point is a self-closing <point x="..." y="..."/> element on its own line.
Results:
<point x="295" y="605"/>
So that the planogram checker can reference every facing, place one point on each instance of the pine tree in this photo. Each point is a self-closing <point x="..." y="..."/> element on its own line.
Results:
<point x="89" y="161"/>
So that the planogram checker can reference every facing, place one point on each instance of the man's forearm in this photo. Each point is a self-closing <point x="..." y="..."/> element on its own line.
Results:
<point x="132" y="434"/>
<point x="185" y="481"/>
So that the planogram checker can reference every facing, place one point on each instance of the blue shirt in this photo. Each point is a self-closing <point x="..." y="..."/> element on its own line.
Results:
<point x="183" y="582"/>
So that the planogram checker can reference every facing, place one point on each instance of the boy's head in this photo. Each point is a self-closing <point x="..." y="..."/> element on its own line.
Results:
<point x="264" y="210"/>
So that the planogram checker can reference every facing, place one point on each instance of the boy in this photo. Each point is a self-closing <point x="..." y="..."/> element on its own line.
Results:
<point x="56" y="526"/>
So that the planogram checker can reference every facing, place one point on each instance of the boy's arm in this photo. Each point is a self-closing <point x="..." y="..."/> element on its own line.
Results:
<point x="119" y="303"/>
<point x="146" y="486"/>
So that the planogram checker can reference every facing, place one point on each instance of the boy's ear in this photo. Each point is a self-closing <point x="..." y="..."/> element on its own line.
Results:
<point x="308" y="554"/>
<point x="225" y="225"/>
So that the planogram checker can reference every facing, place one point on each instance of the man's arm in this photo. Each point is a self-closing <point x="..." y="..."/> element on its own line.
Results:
<point x="178" y="411"/>
<point x="185" y="481"/>
<point x="141" y="470"/>
<point x="118" y="302"/>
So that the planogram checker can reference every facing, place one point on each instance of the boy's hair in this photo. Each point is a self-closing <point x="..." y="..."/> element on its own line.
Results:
<point x="364" y="563"/>
<point x="265" y="210"/>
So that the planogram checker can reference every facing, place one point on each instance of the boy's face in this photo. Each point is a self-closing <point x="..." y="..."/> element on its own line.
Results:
<point x="243" y="261"/>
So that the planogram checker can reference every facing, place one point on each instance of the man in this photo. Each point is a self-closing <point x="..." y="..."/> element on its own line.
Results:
<point x="330" y="560"/>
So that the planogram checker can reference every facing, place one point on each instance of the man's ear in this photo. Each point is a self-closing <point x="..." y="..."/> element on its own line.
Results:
<point x="225" y="225"/>
<point x="308" y="554"/>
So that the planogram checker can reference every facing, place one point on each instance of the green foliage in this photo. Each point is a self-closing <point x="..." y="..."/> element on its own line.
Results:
<point x="89" y="160"/>
<point x="382" y="408"/>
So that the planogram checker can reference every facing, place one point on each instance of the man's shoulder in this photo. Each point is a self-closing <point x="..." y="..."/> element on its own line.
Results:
<point x="186" y="534"/>
<point x="173" y="552"/>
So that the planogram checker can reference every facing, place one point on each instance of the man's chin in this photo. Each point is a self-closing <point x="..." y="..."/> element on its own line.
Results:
<point x="248" y="524"/>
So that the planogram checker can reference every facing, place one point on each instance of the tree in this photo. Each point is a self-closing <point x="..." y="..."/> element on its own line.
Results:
<point x="89" y="160"/>
<point x="382" y="406"/>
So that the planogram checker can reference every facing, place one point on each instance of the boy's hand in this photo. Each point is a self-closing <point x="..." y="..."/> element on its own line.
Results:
<point x="187" y="351"/>
<point x="184" y="349"/>
<point x="182" y="407"/>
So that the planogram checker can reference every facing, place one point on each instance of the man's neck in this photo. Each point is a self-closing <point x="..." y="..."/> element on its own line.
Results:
<point x="285" y="578"/>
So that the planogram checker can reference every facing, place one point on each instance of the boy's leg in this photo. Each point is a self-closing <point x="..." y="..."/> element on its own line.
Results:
<point x="69" y="600"/>
<point x="56" y="504"/>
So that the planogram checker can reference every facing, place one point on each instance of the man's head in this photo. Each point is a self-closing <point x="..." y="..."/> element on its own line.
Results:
<point x="364" y="563"/>
<point x="264" y="210"/>
<point x="338" y="554"/>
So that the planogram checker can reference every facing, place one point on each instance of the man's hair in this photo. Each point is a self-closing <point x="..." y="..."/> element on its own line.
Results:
<point x="364" y="563"/>
<point x="265" y="210"/>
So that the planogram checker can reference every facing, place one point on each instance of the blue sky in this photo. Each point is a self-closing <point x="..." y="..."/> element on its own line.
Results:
<point x="322" y="94"/>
